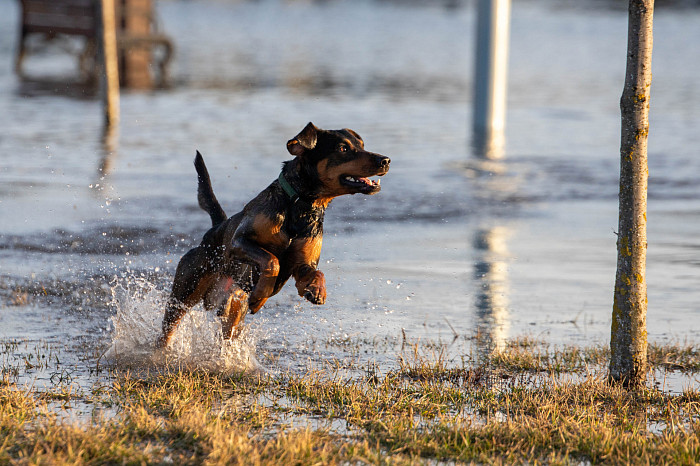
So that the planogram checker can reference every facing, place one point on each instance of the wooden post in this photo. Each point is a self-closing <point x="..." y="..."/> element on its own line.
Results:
<point x="490" y="77"/>
<point x="109" y="64"/>
<point x="136" y="60"/>
<point x="628" y="340"/>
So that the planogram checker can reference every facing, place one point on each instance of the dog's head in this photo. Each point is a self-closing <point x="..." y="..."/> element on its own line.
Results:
<point x="338" y="160"/>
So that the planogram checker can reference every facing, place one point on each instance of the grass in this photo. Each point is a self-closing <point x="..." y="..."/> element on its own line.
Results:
<point x="530" y="403"/>
<point x="532" y="355"/>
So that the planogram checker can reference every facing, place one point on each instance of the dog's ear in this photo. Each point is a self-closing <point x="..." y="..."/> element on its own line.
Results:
<point x="354" y="133"/>
<point x="305" y="140"/>
<point x="357" y="136"/>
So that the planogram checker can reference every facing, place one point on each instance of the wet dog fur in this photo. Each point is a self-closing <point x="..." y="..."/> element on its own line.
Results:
<point x="245" y="259"/>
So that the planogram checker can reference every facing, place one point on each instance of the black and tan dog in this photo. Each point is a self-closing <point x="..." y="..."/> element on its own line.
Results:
<point x="245" y="259"/>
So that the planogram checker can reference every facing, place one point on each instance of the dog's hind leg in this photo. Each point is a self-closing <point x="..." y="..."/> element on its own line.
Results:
<point x="230" y="303"/>
<point x="233" y="313"/>
<point x="192" y="280"/>
<point x="174" y="312"/>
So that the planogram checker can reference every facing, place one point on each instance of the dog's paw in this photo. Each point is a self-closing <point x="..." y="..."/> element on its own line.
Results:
<point x="161" y="342"/>
<point x="315" y="291"/>
<point x="312" y="287"/>
<point x="254" y="304"/>
<point x="315" y="296"/>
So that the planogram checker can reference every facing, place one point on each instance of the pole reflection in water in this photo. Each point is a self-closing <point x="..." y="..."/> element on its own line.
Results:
<point x="110" y="141"/>
<point x="489" y="146"/>
<point x="108" y="149"/>
<point x="489" y="173"/>
<point x="491" y="274"/>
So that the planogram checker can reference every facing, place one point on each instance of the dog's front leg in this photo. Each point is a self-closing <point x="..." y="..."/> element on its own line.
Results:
<point x="268" y="265"/>
<point x="310" y="283"/>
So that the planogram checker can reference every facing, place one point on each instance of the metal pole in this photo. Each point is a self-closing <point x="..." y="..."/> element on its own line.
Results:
<point x="490" y="83"/>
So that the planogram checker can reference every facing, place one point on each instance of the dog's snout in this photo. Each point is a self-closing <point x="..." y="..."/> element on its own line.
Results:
<point x="384" y="161"/>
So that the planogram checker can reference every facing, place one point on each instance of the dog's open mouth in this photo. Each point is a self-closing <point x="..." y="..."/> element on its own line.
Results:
<point x="361" y="184"/>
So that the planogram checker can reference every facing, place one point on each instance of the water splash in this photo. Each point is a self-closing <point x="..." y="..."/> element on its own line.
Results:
<point x="196" y="344"/>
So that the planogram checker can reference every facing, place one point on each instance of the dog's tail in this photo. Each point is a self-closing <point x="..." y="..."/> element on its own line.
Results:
<point x="205" y="193"/>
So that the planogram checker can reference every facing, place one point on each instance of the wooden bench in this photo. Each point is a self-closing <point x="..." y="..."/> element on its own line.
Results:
<point x="52" y="18"/>
<point x="55" y="18"/>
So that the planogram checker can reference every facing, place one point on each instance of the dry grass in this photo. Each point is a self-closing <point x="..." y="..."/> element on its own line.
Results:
<point x="515" y="408"/>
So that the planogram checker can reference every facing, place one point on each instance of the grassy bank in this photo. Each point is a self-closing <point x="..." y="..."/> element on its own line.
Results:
<point x="530" y="403"/>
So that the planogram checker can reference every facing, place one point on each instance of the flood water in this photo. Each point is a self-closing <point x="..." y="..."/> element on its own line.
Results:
<point x="90" y="237"/>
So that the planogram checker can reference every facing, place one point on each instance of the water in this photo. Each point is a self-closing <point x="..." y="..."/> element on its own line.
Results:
<point x="90" y="237"/>
<point x="198" y="342"/>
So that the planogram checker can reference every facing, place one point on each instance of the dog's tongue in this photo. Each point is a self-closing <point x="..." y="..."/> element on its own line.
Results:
<point x="367" y="181"/>
<point x="364" y="181"/>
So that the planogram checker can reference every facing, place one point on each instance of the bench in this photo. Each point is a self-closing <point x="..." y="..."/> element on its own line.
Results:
<point x="80" y="18"/>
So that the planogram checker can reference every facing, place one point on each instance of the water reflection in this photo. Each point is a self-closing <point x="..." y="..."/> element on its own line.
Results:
<point x="110" y="141"/>
<point x="491" y="276"/>
<point x="107" y="153"/>
<point x="488" y="146"/>
<point x="489" y="173"/>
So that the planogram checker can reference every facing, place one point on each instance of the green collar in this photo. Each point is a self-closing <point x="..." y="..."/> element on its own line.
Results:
<point x="293" y="195"/>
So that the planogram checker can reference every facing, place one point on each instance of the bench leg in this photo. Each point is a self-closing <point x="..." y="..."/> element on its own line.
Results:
<point x="87" y="61"/>
<point x="21" y="50"/>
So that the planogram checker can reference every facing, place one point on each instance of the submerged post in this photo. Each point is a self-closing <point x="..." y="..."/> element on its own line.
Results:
<point x="109" y="63"/>
<point x="490" y="77"/>
<point x="628" y="339"/>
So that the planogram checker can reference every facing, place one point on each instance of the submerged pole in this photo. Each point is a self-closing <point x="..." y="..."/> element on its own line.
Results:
<point x="490" y="80"/>
<point x="109" y="64"/>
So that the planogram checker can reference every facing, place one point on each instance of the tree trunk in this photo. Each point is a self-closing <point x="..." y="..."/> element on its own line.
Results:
<point x="628" y="341"/>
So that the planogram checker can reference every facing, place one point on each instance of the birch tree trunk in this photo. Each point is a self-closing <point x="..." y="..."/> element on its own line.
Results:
<point x="628" y="341"/>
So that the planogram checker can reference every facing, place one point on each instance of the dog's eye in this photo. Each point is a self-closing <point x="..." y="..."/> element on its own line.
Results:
<point x="342" y="148"/>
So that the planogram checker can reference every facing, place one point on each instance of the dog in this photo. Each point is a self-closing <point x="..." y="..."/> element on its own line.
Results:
<point x="245" y="259"/>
